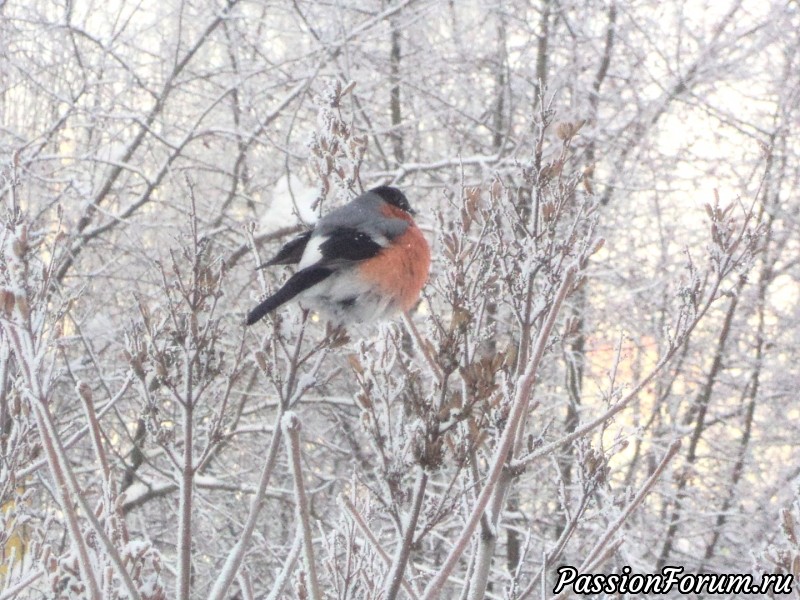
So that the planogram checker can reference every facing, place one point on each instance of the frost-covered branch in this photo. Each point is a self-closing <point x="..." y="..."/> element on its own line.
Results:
<point x="523" y="392"/>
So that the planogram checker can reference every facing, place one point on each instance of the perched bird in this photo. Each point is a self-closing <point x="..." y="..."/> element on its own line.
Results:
<point x="362" y="262"/>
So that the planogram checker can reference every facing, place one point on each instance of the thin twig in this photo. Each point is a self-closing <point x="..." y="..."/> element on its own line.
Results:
<point x="291" y="426"/>
<point x="236" y="555"/>
<point x="590" y="563"/>
<point x="288" y="567"/>
<point x="423" y="346"/>
<point x="394" y="577"/>
<point x="367" y="532"/>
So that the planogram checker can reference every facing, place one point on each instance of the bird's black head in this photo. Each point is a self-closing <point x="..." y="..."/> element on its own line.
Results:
<point x="395" y="197"/>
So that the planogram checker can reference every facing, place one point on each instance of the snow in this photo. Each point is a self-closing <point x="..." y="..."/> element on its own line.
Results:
<point x="290" y="421"/>
<point x="292" y="201"/>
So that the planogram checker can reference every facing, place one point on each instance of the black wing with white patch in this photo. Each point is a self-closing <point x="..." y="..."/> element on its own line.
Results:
<point x="346" y="244"/>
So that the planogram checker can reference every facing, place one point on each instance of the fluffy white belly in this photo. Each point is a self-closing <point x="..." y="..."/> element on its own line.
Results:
<point x="345" y="300"/>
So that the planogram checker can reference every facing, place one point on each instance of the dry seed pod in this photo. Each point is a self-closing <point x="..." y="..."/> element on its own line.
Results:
<point x="7" y="301"/>
<point x="261" y="359"/>
<point x="24" y="307"/>
<point x="565" y="130"/>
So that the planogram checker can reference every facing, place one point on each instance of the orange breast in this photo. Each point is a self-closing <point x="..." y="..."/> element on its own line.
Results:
<point x="401" y="269"/>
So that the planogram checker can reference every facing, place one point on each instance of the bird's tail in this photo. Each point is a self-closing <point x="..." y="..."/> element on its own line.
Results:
<point x="300" y="281"/>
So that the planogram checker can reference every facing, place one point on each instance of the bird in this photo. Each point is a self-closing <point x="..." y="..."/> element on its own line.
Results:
<point x="363" y="262"/>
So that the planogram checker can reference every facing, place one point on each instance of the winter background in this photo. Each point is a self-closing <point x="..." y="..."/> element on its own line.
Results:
<point x="601" y="371"/>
